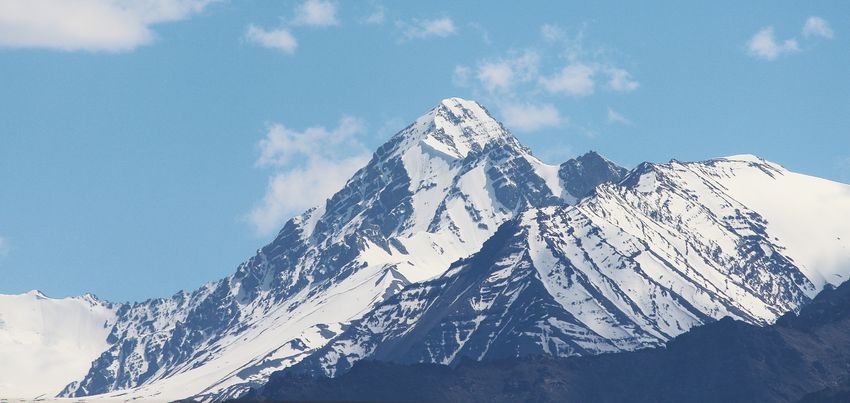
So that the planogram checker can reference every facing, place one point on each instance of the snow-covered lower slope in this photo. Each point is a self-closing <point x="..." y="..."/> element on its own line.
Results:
<point x="44" y="342"/>
<point x="816" y="236"/>
<point x="429" y="196"/>
<point x="669" y="247"/>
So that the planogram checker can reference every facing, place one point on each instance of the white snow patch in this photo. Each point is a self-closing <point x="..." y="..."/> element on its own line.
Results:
<point x="46" y="343"/>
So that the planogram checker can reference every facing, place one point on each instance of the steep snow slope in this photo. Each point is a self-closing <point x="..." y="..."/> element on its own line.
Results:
<point x="669" y="247"/>
<point x="817" y="235"/>
<point x="429" y="196"/>
<point x="44" y="342"/>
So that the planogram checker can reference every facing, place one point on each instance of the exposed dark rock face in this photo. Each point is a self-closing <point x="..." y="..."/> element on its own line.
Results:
<point x="588" y="171"/>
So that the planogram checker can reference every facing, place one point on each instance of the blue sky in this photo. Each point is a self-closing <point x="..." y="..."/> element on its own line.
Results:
<point x="149" y="149"/>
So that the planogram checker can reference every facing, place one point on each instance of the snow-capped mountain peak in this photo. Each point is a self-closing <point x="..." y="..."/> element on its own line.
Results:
<point x="455" y="241"/>
<point x="432" y="194"/>
<point x="747" y="158"/>
<point x="457" y="127"/>
<point x="36" y="294"/>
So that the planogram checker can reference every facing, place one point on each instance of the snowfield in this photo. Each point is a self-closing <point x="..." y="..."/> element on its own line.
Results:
<point x="44" y="342"/>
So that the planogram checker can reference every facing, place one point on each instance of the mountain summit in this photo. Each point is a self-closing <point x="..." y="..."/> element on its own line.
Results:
<point x="433" y="194"/>
<point x="458" y="127"/>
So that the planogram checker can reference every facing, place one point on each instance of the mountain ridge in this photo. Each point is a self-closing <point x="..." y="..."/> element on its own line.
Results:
<point x="580" y="258"/>
<point x="431" y="195"/>
<point x="668" y="248"/>
<point x="802" y="357"/>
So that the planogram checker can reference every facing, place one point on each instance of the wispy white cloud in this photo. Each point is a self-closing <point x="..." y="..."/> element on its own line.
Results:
<point x="4" y="246"/>
<point x="496" y="76"/>
<point x="525" y="84"/>
<point x="579" y="79"/>
<point x="621" y="80"/>
<point x="817" y="27"/>
<point x="279" y="39"/>
<point x="503" y="74"/>
<point x="526" y="65"/>
<point x="300" y="188"/>
<point x="378" y="16"/>
<point x="282" y="144"/>
<point x="552" y="33"/>
<point x="460" y="76"/>
<point x="531" y="117"/>
<point x="575" y="79"/>
<point x="316" y="13"/>
<point x="584" y="72"/>
<point x="615" y="117"/>
<point x="764" y="45"/>
<point x="485" y="34"/>
<point x="425" y="28"/>
<point x="88" y="25"/>
<point x="308" y="166"/>
<point x="310" y="13"/>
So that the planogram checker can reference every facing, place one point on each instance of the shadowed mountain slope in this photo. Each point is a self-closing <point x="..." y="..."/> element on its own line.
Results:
<point x="725" y="361"/>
